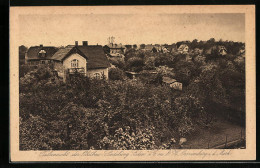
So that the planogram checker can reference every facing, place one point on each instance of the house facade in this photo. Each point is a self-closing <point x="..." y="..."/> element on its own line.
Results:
<point x="88" y="60"/>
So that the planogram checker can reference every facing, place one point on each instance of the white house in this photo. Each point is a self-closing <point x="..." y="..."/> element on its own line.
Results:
<point x="89" y="60"/>
<point x="183" y="49"/>
<point x="222" y="50"/>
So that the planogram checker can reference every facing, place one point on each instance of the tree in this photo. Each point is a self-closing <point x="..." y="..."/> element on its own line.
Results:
<point x="211" y="40"/>
<point x="128" y="46"/>
<point x="106" y="49"/>
<point x="130" y="53"/>
<point x="22" y="51"/>
<point x="154" y="50"/>
<point x="116" y="74"/>
<point x="135" y="64"/>
<point x="185" y="71"/>
<point x="142" y="46"/>
<point x="149" y="63"/>
<point x="164" y="59"/>
<point x="194" y="44"/>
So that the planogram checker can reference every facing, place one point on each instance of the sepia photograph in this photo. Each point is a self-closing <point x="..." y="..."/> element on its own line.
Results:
<point x="131" y="81"/>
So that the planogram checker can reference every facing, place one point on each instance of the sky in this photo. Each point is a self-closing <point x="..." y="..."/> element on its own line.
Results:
<point x="62" y="30"/>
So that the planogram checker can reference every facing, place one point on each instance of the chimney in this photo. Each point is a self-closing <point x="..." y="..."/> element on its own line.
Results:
<point x="76" y="43"/>
<point x="41" y="45"/>
<point x="85" y="43"/>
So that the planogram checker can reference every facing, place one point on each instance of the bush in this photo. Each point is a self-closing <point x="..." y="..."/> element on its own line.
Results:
<point x="135" y="64"/>
<point x="118" y="62"/>
<point x="125" y="139"/>
<point x="116" y="74"/>
<point x="24" y="69"/>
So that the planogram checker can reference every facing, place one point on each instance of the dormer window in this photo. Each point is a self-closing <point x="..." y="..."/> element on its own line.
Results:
<point x="42" y="53"/>
<point x="74" y="63"/>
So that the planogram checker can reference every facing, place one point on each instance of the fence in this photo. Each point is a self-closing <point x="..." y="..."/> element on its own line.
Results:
<point x="228" y="144"/>
<point x="239" y="142"/>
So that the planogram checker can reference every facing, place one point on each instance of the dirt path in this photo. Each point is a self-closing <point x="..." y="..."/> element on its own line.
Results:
<point x="216" y="135"/>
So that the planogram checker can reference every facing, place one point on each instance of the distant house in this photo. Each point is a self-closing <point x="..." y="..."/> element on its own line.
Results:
<point x="172" y="83"/>
<point x="168" y="48"/>
<point x="242" y="51"/>
<point x="89" y="60"/>
<point x="183" y="49"/>
<point x="198" y="51"/>
<point x="221" y="50"/>
<point x="115" y="50"/>
<point x="150" y="47"/>
<point x="40" y="55"/>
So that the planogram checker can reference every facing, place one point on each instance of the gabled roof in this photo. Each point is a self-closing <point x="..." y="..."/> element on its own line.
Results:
<point x="33" y="52"/>
<point x="95" y="55"/>
<point x="61" y="53"/>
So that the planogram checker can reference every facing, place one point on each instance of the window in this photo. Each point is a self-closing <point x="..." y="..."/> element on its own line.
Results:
<point x="42" y="53"/>
<point x="74" y="63"/>
<point x="97" y="75"/>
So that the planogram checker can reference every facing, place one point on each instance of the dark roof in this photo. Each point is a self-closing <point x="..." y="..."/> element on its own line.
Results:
<point x="95" y="55"/>
<point x="61" y="53"/>
<point x="33" y="52"/>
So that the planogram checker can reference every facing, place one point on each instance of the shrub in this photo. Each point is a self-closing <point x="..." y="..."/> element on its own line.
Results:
<point x="116" y="74"/>
<point x="125" y="139"/>
<point x="135" y="64"/>
<point x="118" y="62"/>
<point x="24" y="69"/>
